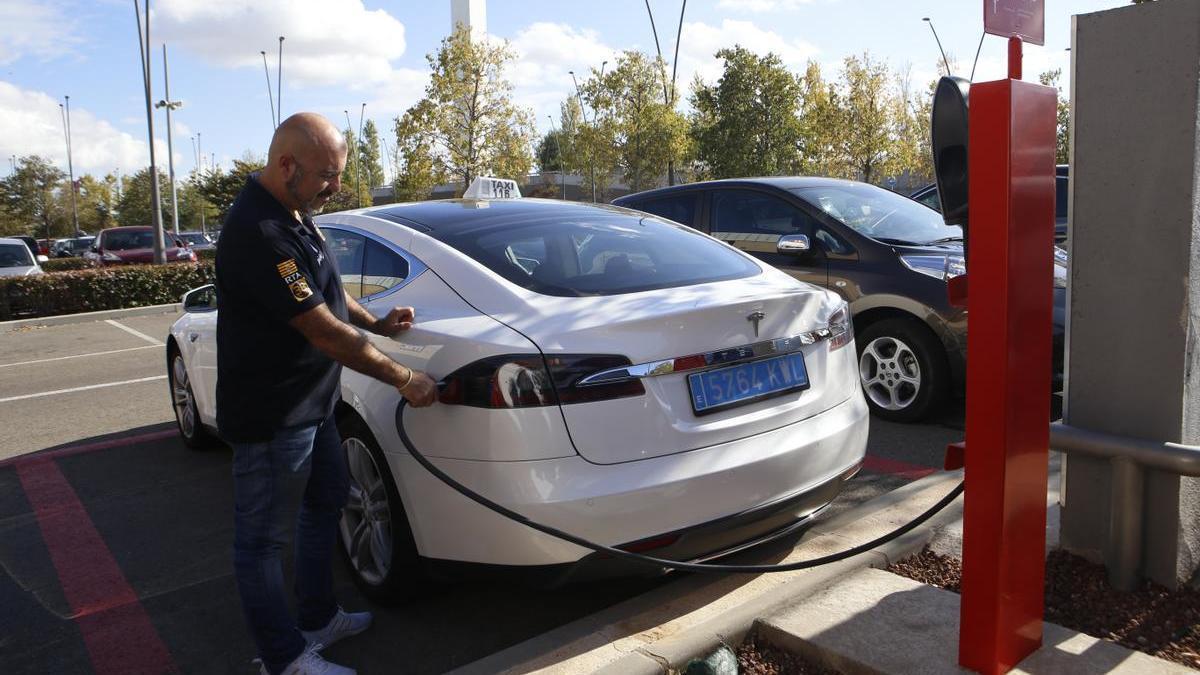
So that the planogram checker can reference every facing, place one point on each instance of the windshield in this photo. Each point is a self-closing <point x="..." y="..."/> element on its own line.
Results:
<point x="601" y="255"/>
<point x="880" y="214"/>
<point x="125" y="241"/>
<point x="15" y="255"/>
<point x="193" y="238"/>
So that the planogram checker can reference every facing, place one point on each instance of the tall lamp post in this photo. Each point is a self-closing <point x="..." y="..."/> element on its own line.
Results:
<point x="155" y="199"/>
<point x="939" y="43"/>
<point x="170" y="105"/>
<point x="66" y="115"/>
<point x="354" y="152"/>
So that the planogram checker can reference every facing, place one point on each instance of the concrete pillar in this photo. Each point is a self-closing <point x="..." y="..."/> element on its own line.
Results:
<point x="1133" y="362"/>
<point x="472" y="14"/>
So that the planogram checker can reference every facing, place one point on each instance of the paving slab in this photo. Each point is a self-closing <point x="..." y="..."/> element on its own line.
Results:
<point x="877" y="622"/>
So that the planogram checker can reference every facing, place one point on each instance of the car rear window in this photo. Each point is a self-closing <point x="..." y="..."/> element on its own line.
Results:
<point x="601" y="255"/>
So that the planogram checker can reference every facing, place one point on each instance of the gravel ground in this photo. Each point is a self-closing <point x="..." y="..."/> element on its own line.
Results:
<point x="758" y="657"/>
<point x="1151" y="619"/>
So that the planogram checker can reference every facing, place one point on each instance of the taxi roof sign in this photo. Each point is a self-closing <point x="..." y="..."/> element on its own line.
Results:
<point x="486" y="187"/>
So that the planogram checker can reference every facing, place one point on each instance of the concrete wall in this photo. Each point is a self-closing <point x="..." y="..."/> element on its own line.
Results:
<point x="1135" y="267"/>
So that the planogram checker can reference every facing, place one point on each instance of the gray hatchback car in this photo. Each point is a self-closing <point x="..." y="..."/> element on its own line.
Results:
<point x="887" y="255"/>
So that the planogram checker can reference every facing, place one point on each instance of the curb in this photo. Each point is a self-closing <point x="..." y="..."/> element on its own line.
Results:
<point x="633" y="622"/>
<point x="85" y="317"/>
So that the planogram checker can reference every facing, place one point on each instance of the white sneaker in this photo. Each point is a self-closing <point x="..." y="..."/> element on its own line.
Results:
<point x="342" y="625"/>
<point x="310" y="663"/>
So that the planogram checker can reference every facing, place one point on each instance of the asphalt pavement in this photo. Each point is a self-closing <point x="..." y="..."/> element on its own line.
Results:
<point x="115" y="539"/>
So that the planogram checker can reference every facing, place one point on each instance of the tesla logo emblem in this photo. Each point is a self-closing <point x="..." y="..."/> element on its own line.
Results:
<point x="754" y="318"/>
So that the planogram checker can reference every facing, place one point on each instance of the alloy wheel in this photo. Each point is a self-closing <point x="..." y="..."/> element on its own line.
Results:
<point x="367" y="518"/>
<point x="890" y="373"/>
<point x="181" y="398"/>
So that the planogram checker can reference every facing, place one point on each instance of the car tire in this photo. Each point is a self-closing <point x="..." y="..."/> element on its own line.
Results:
<point x="183" y="401"/>
<point x="902" y="370"/>
<point x="374" y="534"/>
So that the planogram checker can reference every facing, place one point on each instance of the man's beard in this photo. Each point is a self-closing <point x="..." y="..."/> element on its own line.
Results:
<point x="307" y="208"/>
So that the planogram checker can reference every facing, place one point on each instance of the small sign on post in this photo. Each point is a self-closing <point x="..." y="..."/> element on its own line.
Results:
<point x="1025" y="19"/>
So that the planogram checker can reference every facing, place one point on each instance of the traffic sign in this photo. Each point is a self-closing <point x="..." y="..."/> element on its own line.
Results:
<point x="1025" y="19"/>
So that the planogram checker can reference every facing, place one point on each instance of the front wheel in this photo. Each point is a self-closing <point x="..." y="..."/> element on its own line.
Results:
<point x="183" y="400"/>
<point x="374" y="531"/>
<point x="903" y="371"/>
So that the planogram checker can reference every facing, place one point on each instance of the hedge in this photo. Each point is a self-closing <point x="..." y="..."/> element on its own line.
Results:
<point x="64" y="264"/>
<point x="207" y="254"/>
<point x="98" y="289"/>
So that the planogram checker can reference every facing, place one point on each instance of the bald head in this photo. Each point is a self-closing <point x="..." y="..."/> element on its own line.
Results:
<point x="305" y="162"/>
<point x="302" y="134"/>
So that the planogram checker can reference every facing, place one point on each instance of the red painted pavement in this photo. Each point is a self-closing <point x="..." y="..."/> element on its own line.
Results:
<point x="896" y="467"/>
<point x="116" y="628"/>
<point x="90" y="447"/>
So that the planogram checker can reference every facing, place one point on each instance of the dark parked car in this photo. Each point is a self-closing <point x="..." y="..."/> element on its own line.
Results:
<point x="133" y="245"/>
<point x="71" y="248"/>
<point x="928" y="196"/>
<point x="887" y="255"/>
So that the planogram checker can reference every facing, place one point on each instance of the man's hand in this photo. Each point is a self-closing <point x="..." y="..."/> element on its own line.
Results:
<point x="397" y="321"/>
<point x="421" y="390"/>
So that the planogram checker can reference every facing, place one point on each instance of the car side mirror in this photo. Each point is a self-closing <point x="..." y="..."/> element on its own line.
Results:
<point x="202" y="299"/>
<point x="794" y="244"/>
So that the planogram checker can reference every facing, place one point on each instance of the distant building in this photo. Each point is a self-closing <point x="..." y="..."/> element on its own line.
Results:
<point x="469" y="13"/>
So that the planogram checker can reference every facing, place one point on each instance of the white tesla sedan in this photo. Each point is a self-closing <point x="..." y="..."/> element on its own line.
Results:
<point x="620" y="377"/>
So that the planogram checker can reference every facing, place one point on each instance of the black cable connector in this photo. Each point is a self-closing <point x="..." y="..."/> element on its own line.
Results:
<point x="661" y="562"/>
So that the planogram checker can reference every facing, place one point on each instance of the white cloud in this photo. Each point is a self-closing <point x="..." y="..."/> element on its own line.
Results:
<point x="35" y="29"/>
<point x="760" y="6"/>
<point x="391" y="97"/>
<point x="327" y="42"/>
<point x="546" y="55"/>
<point x="31" y="124"/>
<point x="701" y="41"/>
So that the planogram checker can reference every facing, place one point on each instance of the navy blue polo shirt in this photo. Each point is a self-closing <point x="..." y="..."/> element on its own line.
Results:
<point x="270" y="268"/>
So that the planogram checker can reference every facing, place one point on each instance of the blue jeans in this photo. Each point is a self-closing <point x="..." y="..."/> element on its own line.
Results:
<point x="300" y="466"/>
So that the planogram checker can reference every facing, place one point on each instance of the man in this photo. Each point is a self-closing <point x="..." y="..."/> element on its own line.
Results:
<point x="283" y="334"/>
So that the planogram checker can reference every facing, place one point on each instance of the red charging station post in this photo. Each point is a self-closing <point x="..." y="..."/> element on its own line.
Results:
<point x="1011" y="239"/>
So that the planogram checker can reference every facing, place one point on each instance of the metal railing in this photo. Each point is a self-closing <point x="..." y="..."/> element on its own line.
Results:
<point x="1129" y="457"/>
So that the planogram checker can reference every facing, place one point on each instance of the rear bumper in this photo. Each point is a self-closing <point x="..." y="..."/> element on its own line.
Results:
<point x="714" y="499"/>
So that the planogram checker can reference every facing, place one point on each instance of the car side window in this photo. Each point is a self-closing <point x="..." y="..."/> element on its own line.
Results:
<point x="679" y="208"/>
<point x="752" y="212"/>
<point x="347" y="249"/>
<point x="931" y="200"/>
<point x="383" y="269"/>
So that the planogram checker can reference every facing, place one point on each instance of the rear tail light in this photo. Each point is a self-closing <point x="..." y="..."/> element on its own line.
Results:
<point x="528" y="380"/>
<point x="841" y="329"/>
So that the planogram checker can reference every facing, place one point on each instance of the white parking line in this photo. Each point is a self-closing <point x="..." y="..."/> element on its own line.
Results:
<point x="127" y="329"/>
<point x="76" y="356"/>
<point x="74" y="389"/>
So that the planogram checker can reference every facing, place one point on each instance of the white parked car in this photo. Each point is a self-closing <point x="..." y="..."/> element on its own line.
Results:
<point x="614" y="375"/>
<point x="16" y="260"/>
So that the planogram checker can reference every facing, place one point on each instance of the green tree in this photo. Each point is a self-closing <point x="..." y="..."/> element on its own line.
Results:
<point x="818" y="119"/>
<point x="912" y="114"/>
<point x="747" y="124"/>
<point x="645" y="133"/>
<point x="369" y="156"/>
<point x="218" y="188"/>
<point x="1062" y="141"/>
<point x="356" y="178"/>
<point x="96" y="202"/>
<point x="866" y="119"/>
<point x="550" y="151"/>
<point x="472" y="125"/>
<point x="417" y="170"/>
<point x="29" y="199"/>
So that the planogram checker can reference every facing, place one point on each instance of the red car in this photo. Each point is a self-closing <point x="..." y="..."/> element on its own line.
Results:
<point x="134" y="245"/>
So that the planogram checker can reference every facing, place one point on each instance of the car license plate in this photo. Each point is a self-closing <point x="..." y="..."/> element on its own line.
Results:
<point x="747" y="382"/>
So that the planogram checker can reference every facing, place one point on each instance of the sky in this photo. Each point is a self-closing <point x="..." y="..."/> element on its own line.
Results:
<point x="339" y="54"/>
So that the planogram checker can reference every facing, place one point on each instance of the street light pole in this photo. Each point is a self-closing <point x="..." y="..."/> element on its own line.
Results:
<point x="155" y="198"/>
<point x="66" y="114"/>
<point x="270" y="94"/>
<point x="354" y="151"/>
<point x="170" y="105"/>
<point x="279" y="83"/>
<point x="939" y="43"/>
<point x="358" y="150"/>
